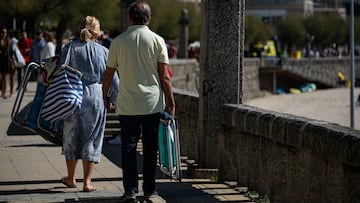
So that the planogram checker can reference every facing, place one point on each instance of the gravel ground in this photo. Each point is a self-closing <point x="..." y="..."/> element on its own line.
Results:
<point x="332" y="105"/>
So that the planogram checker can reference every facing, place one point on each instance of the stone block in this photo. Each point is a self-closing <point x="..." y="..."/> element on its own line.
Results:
<point x="279" y="130"/>
<point x="251" y="122"/>
<point x="279" y="184"/>
<point x="254" y="161"/>
<point x="265" y="123"/>
<point x="296" y="173"/>
<point x="243" y="160"/>
<point x="294" y="132"/>
<point x="350" y="150"/>
<point x="352" y="180"/>
<point x="228" y="147"/>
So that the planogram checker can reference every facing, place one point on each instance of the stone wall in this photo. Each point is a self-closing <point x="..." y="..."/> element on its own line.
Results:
<point x="293" y="159"/>
<point x="187" y="111"/>
<point x="186" y="73"/>
<point x="186" y="76"/>
<point x="251" y="80"/>
<point x="323" y="70"/>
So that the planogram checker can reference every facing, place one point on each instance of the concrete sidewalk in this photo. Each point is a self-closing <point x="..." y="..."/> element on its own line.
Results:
<point x="31" y="169"/>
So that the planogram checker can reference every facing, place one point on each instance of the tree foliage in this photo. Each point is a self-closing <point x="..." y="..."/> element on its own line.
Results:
<point x="62" y="15"/>
<point x="256" y="30"/>
<point x="327" y="29"/>
<point x="166" y="15"/>
<point x="291" y="32"/>
<point x="59" y="15"/>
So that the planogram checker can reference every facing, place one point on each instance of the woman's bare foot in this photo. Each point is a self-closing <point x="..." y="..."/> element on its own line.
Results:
<point x="89" y="188"/>
<point x="70" y="184"/>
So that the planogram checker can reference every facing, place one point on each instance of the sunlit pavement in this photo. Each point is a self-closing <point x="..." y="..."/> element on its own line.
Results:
<point x="31" y="169"/>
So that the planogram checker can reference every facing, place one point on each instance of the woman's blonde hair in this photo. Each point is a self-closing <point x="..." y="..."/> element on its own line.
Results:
<point x="89" y="28"/>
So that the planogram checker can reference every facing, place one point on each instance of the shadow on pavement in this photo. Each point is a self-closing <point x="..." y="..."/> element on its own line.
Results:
<point x="18" y="129"/>
<point x="112" y="152"/>
<point x="33" y="145"/>
<point x="32" y="182"/>
<point x="29" y="191"/>
<point x="168" y="190"/>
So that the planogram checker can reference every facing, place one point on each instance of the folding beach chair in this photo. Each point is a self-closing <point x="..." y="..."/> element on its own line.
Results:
<point x="169" y="146"/>
<point x="29" y="116"/>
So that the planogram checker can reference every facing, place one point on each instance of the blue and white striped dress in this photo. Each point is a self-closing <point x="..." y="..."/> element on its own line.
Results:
<point x="84" y="131"/>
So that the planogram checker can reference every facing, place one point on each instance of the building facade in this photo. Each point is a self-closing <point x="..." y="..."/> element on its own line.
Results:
<point x="272" y="11"/>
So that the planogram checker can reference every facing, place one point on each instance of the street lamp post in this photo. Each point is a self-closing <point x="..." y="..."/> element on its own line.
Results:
<point x="352" y="74"/>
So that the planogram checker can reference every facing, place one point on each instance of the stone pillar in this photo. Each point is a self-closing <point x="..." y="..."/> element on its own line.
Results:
<point x="184" y="34"/>
<point x="124" y="18"/>
<point x="220" y="70"/>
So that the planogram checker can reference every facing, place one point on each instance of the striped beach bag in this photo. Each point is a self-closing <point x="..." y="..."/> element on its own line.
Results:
<point x="64" y="94"/>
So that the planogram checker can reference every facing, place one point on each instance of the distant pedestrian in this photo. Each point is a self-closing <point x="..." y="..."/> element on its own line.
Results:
<point x="105" y="39"/>
<point x="37" y="44"/>
<point x="84" y="130"/>
<point x="24" y="45"/>
<point x="172" y="49"/>
<point x="49" y="48"/>
<point x="6" y="67"/>
<point x="14" y="45"/>
<point x="140" y="56"/>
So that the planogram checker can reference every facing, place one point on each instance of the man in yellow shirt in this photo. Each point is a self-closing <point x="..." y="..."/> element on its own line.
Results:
<point x="141" y="59"/>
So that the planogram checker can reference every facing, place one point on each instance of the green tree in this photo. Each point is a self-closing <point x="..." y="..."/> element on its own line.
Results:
<point x="60" y="15"/>
<point x="327" y="29"/>
<point x="25" y="11"/>
<point x="166" y="15"/>
<point x="338" y="30"/>
<point x="356" y="30"/>
<point x="256" y="30"/>
<point x="291" y="33"/>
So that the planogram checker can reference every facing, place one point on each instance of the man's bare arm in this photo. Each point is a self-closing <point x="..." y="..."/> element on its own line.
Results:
<point x="166" y="86"/>
<point x="108" y="77"/>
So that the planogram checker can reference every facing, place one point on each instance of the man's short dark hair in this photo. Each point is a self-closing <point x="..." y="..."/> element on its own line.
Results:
<point x="140" y="13"/>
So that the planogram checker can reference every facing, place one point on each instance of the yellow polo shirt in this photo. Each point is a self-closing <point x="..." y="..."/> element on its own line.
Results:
<point x="135" y="54"/>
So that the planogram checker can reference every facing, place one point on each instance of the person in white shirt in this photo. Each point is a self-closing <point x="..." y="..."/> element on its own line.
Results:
<point x="140" y="57"/>
<point x="50" y="47"/>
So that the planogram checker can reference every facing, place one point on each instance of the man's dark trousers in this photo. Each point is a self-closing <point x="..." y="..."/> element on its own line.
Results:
<point x="132" y="127"/>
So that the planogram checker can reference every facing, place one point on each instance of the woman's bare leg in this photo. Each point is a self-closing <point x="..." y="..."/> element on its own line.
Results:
<point x="12" y="75"/>
<point x="70" y="180"/>
<point x="3" y="85"/>
<point x="88" y="170"/>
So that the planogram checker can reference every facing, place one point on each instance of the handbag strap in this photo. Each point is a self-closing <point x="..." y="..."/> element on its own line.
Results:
<point x="66" y="62"/>
<point x="89" y="57"/>
<point x="67" y="59"/>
